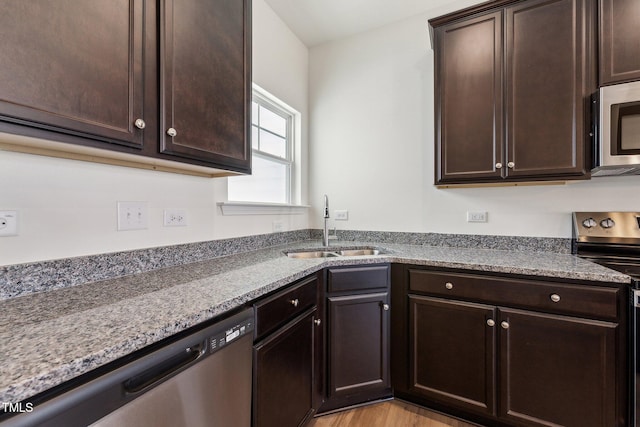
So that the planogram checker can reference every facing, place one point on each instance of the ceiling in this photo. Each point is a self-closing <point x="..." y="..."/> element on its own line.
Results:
<point x="319" y="21"/>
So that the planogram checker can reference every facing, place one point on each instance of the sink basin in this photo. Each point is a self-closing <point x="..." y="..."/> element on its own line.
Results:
<point x="312" y="254"/>
<point x="336" y="253"/>
<point x="359" y="252"/>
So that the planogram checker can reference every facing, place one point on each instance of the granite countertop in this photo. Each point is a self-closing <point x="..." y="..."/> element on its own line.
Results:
<point x="51" y="337"/>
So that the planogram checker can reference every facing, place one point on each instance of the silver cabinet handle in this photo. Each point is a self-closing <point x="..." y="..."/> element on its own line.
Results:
<point x="294" y="302"/>
<point x="491" y="322"/>
<point x="498" y="165"/>
<point x="511" y="165"/>
<point x="172" y="132"/>
<point x="505" y="325"/>
<point x="317" y="322"/>
<point x="385" y="307"/>
<point x="140" y="124"/>
<point x="448" y="285"/>
<point x="555" y="297"/>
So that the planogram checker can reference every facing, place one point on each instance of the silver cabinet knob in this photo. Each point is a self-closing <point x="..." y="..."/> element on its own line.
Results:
<point x="504" y="324"/>
<point x="498" y="165"/>
<point x="555" y="297"/>
<point x="511" y="165"/>
<point x="172" y="132"/>
<point x="385" y="307"/>
<point x="491" y="322"/>
<point x="294" y="302"/>
<point x="140" y="124"/>
<point x="317" y="322"/>
<point x="448" y="285"/>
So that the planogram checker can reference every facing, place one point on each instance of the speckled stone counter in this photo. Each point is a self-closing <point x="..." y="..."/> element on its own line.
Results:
<point x="51" y="337"/>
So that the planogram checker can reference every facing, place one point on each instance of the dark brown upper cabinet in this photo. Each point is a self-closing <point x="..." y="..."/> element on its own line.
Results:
<point x="619" y="41"/>
<point x="165" y="83"/>
<point x="204" y="81"/>
<point x="512" y="87"/>
<point x="73" y="67"/>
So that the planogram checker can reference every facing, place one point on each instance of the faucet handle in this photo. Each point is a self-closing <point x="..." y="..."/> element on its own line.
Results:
<point x="334" y="236"/>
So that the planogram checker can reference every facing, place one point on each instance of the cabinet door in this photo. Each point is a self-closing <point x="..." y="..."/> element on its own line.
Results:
<point x="452" y="353"/>
<point x="548" y="84"/>
<point x="358" y="343"/>
<point x="73" y="67"/>
<point x="284" y="375"/>
<point x="468" y="99"/>
<point x="557" y="370"/>
<point x="205" y="81"/>
<point x="619" y="41"/>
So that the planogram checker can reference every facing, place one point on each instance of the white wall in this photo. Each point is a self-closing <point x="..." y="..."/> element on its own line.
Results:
<point x="372" y="138"/>
<point x="68" y="208"/>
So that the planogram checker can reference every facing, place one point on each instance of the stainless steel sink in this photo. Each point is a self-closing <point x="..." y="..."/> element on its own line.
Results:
<point x="359" y="252"/>
<point x="312" y="254"/>
<point x="336" y="253"/>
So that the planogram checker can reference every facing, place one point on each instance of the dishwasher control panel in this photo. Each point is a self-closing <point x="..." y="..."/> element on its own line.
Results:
<point x="230" y="334"/>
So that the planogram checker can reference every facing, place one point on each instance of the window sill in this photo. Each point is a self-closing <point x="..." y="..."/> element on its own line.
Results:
<point x="248" y="208"/>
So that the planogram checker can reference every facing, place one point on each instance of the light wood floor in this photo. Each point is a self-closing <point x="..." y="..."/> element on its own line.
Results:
<point x="394" y="413"/>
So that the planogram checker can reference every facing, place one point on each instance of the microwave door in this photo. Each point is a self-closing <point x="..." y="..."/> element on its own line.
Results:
<point x="619" y="126"/>
<point x="625" y="129"/>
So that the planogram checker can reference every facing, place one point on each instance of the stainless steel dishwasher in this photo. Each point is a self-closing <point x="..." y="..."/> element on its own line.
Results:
<point x="203" y="379"/>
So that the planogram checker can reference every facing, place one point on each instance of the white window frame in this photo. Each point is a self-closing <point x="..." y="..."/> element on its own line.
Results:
<point x="268" y="102"/>
<point x="292" y="160"/>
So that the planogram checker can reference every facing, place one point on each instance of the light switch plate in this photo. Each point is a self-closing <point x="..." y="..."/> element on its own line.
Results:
<point x="132" y="216"/>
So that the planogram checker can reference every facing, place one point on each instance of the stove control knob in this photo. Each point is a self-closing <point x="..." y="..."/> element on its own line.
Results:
<point x="589" y="223"/>
<point x="607" y="223"/>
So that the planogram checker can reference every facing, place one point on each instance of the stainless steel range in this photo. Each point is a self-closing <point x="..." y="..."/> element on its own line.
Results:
<point x="612" y="239"/>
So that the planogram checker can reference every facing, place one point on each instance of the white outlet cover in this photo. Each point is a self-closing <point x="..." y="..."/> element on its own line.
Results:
<point x="8" y="223"/>
<point x="132" y="216"/>
<point x="476" y="216"/>
<point x="341" y="215"/>
<point x="175" y="218"/>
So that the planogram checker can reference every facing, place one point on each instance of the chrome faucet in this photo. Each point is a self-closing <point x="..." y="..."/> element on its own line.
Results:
<point x="325" y="232"/>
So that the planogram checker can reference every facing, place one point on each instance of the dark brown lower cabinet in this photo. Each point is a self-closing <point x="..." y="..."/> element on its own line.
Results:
<point x="288" y="360"/>
<point x="358" y="343"/>
<point x="515" y="362"/>
<point x="557" y="370"/>
<point x="284" y="375"/>
<point x="452" y="353"/>
<point x="357" y="333"/>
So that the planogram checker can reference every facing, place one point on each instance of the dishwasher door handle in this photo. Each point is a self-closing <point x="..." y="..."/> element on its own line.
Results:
<point x="163" y="370"/>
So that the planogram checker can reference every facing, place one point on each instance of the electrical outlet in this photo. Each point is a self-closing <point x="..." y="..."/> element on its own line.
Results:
<point x="132" y="216"/>
<point x="175" y="218"/>
<point x="278" y="226"/>
<point x="8" y="223"/>
<point x="477" y="216"/>
<point x="341" y="215"/>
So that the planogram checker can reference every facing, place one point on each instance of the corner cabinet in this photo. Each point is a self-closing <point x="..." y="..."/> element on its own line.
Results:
<point x="512" y="87"/>
<point x="619" y="46"/>
<point x="145" y="82"/>
<point x="358" y="308"/>
<point x="508" y="351"/>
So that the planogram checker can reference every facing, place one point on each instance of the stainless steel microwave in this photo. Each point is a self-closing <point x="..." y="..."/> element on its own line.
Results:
<point x="616" y="116"/>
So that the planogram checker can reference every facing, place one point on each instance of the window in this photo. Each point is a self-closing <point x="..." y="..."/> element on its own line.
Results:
<point x="272" y="141"/>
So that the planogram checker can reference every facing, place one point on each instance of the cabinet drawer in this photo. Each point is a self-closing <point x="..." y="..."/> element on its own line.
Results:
<point x="358" y="278"/>
<point x="279" y="308"/>
<point x="585" y="300"/>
